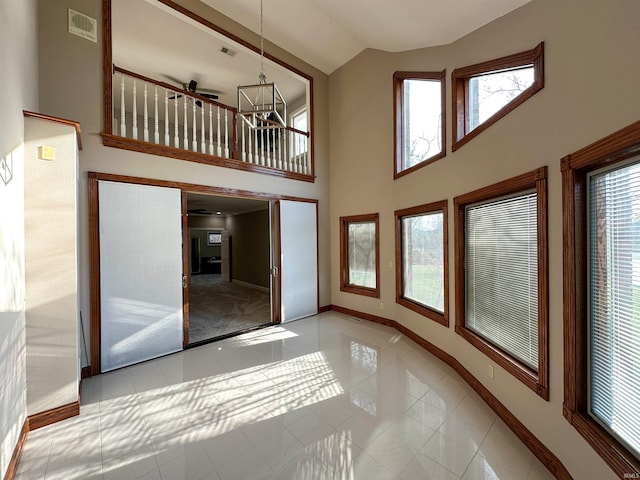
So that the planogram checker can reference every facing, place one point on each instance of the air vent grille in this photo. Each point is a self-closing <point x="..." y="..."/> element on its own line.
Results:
<point x="83" y="26"/>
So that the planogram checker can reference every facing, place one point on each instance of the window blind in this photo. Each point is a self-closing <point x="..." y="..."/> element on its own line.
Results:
<point x="614" y="302"/>
<point x="501" y="261"/>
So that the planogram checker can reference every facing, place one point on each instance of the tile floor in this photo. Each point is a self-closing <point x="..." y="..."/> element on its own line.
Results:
<point x="327" y="397"/>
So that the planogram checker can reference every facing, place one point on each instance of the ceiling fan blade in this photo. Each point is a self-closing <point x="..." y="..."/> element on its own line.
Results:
<point x="174" y="97"/>
<point x="208" y="95"/>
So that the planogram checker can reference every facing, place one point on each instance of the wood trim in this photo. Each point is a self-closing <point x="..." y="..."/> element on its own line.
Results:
<point x="614" y="148"/>
<point x="537" y="381"/>
<point x="186" y="242"/>
<point x="398" y="119"/>
<point x="54" y="415"/>
<point x="460" y="102"/>
<point x="63" y="121"/>
<point x="85" y="372"/>
<point x="12" y="467"/>
<point x="546" y="456"/>
<point x="141" y="146"/>
<point x="324" y="308"/>
<point x="318" y="256"/>
<point x="345" y="286"/>
<point x="107" y="68"/>
<point x="424" y="310"/>
<point x="94" y="275"/>
<point x="195" y="188"/>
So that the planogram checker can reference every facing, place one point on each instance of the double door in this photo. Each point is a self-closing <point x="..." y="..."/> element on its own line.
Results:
<point x="143" y="263"/>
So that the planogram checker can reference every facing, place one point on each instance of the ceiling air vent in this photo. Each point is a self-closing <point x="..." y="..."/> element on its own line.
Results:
<point x="83" y="26"/>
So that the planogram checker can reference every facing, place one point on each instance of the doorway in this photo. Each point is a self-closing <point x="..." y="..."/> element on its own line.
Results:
<point x="142" y="272"/>
<point x="229" y="281"/>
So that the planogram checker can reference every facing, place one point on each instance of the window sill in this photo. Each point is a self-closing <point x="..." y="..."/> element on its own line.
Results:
<point x="439" y="317"/>
<point x="520" y="371"/>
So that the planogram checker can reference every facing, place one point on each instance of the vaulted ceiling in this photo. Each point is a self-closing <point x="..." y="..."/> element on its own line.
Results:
<point x="328" y="33"/>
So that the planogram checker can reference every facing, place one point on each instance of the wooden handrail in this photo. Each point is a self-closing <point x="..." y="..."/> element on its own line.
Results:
<point x="173" y="88"/>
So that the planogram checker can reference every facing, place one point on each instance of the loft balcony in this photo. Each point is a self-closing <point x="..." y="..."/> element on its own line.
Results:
<point x="154" y="117"/>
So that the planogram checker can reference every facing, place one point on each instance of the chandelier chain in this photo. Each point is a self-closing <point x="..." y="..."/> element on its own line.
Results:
<point x="262" y="76"/>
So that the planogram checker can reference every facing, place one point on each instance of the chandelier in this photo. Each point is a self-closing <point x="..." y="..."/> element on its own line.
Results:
<point x="261" y="105"/>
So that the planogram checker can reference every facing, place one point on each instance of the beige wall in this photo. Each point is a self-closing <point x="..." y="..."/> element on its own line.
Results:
<point x="250" y="247"/>
<point x="591" y="62"/>
<point x="18" y="91"/>
<point x="51" y="266"/>
<point x="70" y="86"/>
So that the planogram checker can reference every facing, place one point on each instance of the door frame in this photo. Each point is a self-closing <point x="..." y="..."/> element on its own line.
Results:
<point x="94" y="245"/>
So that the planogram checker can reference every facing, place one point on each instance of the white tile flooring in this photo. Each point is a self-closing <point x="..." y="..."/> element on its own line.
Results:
<point x="327" y="397"/>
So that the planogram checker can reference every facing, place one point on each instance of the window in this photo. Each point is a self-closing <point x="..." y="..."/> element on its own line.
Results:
<point x="601" y="188"/>
<point x="299" y="143"/>
<point x="419" y="119"/>
<point x="359" y="255"/>
<point x="501" y="272"/>
<point x="422" y="279"/>
<point x="486" y="92"/>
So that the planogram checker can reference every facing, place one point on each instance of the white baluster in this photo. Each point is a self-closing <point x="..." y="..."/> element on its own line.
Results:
<point x="123" y="117"/>
<point x="203" y="137"/>
<point x="244" y="155"/>
<point x="176" y="138"/>
<point x="185" y="145"/>
<point x="166" y="117"/>
<point x="145" y="118"/>
<point x="226" y="134"/>
<point x="267" y="134"/>
<point x="210" y="129"/>
<point x="258" y="145"/>
<point x="249" y="143"/>
<point x="280" y="138"/>
<point x="156" y="129"/>
<point x="135" y="111"/>
<point x="219" y="138"/>
<point x="194" y="127"/>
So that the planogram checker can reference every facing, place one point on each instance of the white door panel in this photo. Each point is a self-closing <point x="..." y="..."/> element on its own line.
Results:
<point x="140" y="273"/>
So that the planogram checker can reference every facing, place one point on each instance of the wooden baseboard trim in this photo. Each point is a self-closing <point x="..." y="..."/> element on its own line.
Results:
<point x="54" y="415"/>
<point x="548" y="459"/>
<point x="85" y="372"/>
<point x="324" y="308"/>
<point x="10" y="474"/>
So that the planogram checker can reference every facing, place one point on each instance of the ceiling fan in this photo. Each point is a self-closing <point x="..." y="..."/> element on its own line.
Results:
<point x="199" y="211"/>
<point x="192" y="87"/>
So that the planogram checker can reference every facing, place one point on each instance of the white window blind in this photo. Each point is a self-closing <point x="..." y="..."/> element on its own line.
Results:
<point x="501" y="261"/>
<point x="614" y="302"/>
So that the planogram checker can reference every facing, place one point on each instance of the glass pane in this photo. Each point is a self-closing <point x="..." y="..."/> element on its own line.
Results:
<point x="489" y="93"/>
<point x="300" y="121"/>
<point x="422" y="117"/>
<point x="423" y="260"/>
<point x="501" y="257"/>
<point x="362" y="254"/>
<point x="614" y="309"/>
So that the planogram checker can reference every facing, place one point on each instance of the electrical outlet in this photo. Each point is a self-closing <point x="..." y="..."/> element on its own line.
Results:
<point x="490" y="371"/>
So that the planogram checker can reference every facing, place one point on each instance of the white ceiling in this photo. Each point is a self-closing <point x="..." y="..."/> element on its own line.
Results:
<point x="328" y="33"/>
<point x="227" y="206"/>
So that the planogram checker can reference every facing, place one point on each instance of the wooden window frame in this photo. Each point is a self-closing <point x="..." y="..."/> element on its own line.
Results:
<point x="420" y="308"/>
<point x="460" y="92"/>
<point x="612" y="149"/>
<point x="398" y="119"/>
<point x="536" y="179"/>
<point x="345" y="286"/>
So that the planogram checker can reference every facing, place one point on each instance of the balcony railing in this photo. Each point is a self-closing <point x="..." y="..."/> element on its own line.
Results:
<point x="156" y="117"/>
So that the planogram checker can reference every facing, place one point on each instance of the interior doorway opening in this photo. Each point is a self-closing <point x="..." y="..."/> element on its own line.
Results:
<point x="229" y="258"/>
